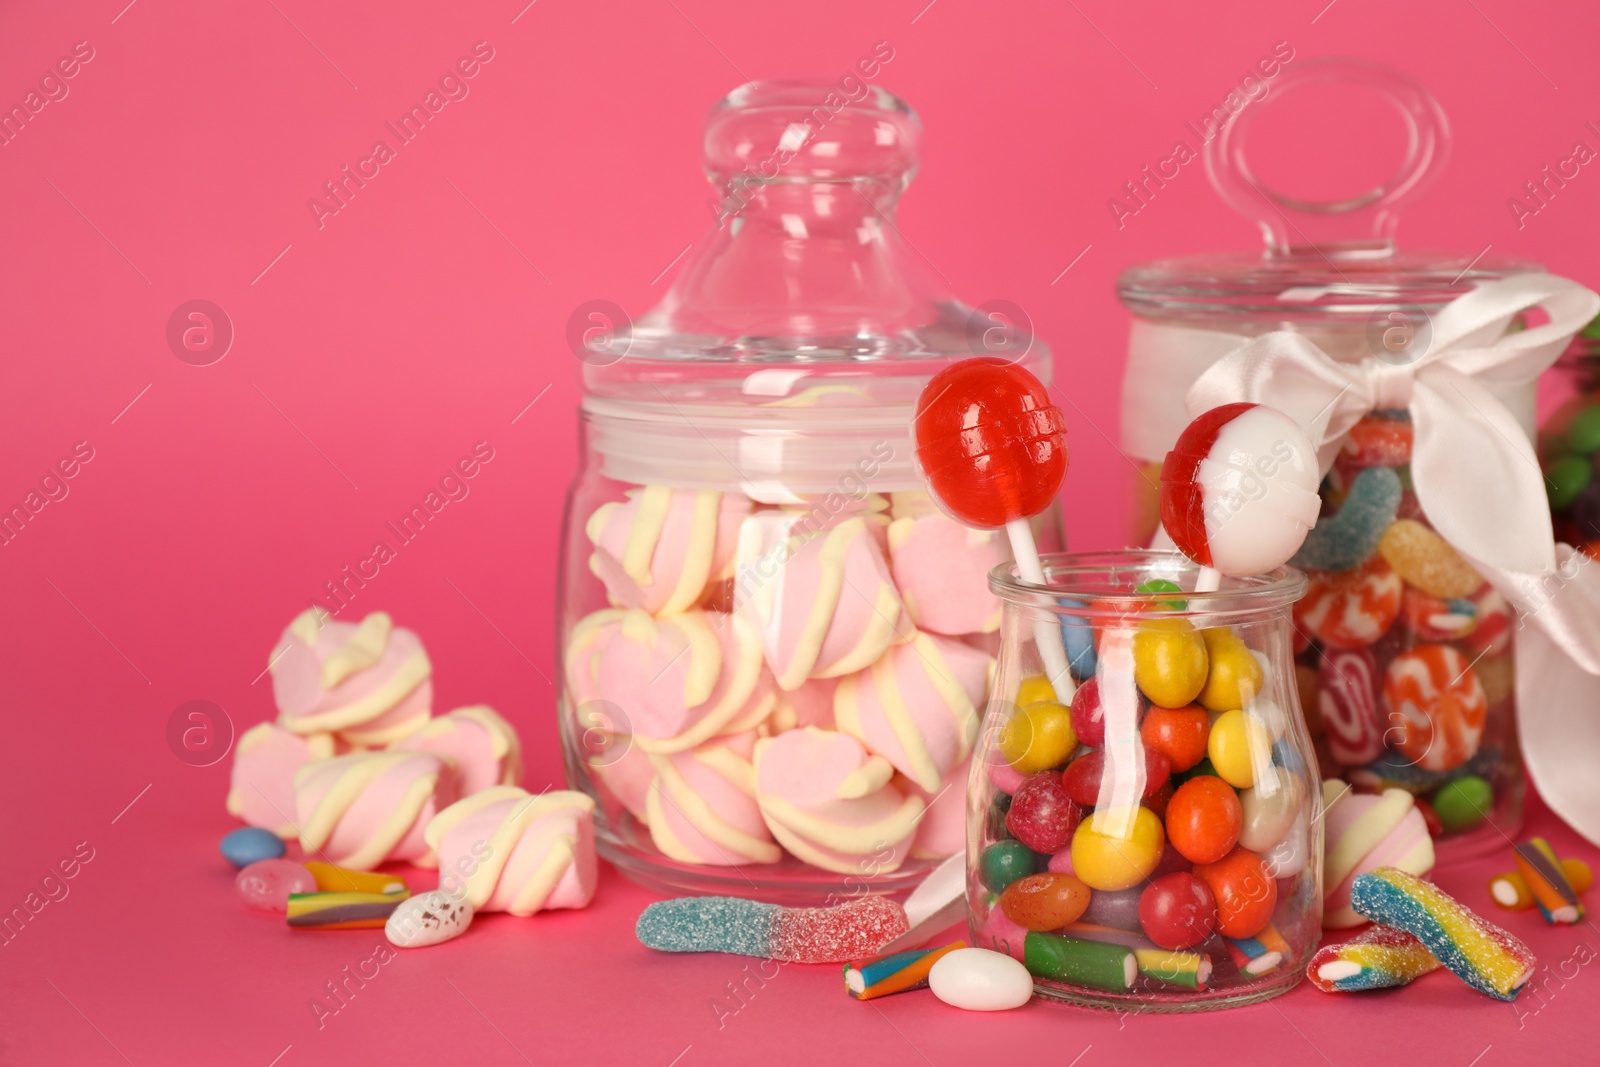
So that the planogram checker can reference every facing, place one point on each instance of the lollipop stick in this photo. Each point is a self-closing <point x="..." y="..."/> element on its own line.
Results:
<point x="1046" y="632"/>
<point x="1208" y="580"/>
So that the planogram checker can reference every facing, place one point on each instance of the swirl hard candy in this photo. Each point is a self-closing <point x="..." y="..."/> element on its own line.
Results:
<point x="1432" y="619"/>
<point x="1348" y="702"/>
<point x="1351" y="609"/>
<point x="1437" y="705"/>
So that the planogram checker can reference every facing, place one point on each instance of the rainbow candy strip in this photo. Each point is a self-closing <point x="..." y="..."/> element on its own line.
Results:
<point x="1376" y="959"/>
<point x="1190" y="969"/>
<point x="1547" y="882"/>
<point x="1479" y="953"/>
<point x="895" y="973"/>
<point x="1510" y="891"/>
<point x="1261" y="954"/>
<point x="341" y="911"/>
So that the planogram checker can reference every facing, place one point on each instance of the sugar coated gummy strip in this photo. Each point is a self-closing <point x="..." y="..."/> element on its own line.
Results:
<point x="1093" y="964"/>
<point x="1374" y="959"/>
<point x="341" y="911"/>
<point x="1478" y="952"/>
<point x="1547" y="883"/>
<point x="749" y="928"/>
<point x="895" y="973"/>
<point x="1351" y="534"/>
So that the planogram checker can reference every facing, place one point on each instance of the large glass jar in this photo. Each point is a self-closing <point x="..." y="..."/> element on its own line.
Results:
<point x="1155" y="846"/>
<point x="1403" y="652"/>
<point x="774" y="649"/>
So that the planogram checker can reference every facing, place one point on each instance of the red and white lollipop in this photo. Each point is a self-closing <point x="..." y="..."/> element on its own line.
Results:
<point x="1239" y="491"/>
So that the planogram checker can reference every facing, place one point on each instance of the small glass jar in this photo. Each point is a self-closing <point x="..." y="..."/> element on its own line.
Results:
<point x="774" y="649"/>
<point x="1391" y="654"/>
<point x="1154" y="847"/>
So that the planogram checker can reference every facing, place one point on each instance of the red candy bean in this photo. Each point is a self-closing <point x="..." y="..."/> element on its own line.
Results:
<point x="1042" y="815"/>
<point x="1180" y="734"/>
<point x="1204" y="818"/>
<point x="1246" y="894"/>
<point x="1045" y="901"/>
<point x="1084" y="775"/>
<point x="1178" y="911"/>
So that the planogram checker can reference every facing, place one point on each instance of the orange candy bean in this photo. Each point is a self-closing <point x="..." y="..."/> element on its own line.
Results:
<point x="1246" y="894"/>
<point x="1045" y="901"/>
<point x="1204" y="818"/>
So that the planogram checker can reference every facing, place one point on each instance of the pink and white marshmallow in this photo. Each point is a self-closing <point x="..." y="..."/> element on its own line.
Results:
<point x="661" y="548"/>
<point x="369" y="682"/>
<point x="942" y="571"/>
<point x="265" y="760"/>
<point x="368" y="808"/>
<point x="505" y="849"/>
<point x="943" y="829"/>
<point x="917" y="706"/>
<point x="702" y="806"/>
<point x="483" y="747"/>
<point x="832" y="804"/>
<point x="1365" y="832"/>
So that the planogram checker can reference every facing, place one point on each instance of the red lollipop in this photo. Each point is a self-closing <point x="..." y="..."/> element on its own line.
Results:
<point x="994" y="452"/>
<point x="991" y="444"/>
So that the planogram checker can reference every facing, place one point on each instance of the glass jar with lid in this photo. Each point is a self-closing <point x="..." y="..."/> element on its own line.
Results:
<point x="774" y="649"/>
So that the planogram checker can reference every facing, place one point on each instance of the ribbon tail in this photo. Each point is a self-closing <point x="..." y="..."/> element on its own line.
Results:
<point x="1559" y="730"/>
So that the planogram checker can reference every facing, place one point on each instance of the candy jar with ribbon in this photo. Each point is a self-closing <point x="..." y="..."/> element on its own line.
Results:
<point x="774" y="647"/>
<point x="1414" y="374"/>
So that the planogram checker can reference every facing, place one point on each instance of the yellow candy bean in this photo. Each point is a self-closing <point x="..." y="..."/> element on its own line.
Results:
<point x="1169" y="661"/>
<point x="1108" y="862"/>
<point x="1235" y="675"/>
<point x="1038" y="737"/>
<point x="1034" y="688"/>
<point x="1427" y="561"/>
<point x="1237" y="740"/>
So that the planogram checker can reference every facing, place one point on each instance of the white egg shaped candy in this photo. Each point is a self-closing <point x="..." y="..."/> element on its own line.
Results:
<point x="976" y="979"/>
<point x="1239" y="489"/>
<point x="428" y="919"/>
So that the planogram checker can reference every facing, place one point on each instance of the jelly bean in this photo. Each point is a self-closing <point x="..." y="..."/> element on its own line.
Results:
<point x="978" y="979"/>
<point x="1033" y="689"/>
<point x="429" y="919"/>
<point x="1038" y="737"/>
<point x="1163" y="585"/>
<point x="1424" y="559"/>
<point x="1078" y="636"/>
<point x="1492" y="635"/>
<point x="1432" y="619"/>
<point x="1042" y="814"/>
<point x="1268" y="815"/>
<point x="266" y="884"/>
<point x="1112" y="860"/>
<point x="1091" y="772"/>
<point x="1379" y="439"/>
<point x="1463" y="803"/>
<point x="1177" y="733"/>
<point x="1348" y="704"/>
<point x="248" y="844"/>
<point x="1436" y="707"/>
<point x="1238" y="741"/>
<point x="1169" y="661"/>
<point x="1565" y="479"/>
<point x="1246" y="893"/>
<point x="1203" y="819"/>
<point x="1089" y="714"/>
<point x="1045" y="901"/>
<point x="1583" y="432"/>
<point x="1177" y="911"/>
<point x="1353" y="608"/>
<point x="1118" y="909"/>
<point x="1235" y="675"/>
<point x="1004" y="862"/>
<point x="1350" y="535"/>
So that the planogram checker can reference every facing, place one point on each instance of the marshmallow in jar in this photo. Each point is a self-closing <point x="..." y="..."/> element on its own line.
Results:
<point x="775" y="647"/>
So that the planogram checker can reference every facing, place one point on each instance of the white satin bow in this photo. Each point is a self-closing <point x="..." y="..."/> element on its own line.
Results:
<point x="1472" y="465"/>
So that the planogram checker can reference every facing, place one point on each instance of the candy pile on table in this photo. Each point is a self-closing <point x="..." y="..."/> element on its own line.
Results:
<point x="359" y="773"/>
<point x="1178" y="890"/>
<point x="1403" y="651"/>
<point x="800" y="680"/>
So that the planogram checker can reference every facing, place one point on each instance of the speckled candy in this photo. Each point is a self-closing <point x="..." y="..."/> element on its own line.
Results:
<point x="1042" y="814"/>
<point x="249" y="844"/>
<point x="266" y="884"/>
<point x="1045" y="901"/>
<point x="429" y="919"/>
<point x="1169" y="662"/>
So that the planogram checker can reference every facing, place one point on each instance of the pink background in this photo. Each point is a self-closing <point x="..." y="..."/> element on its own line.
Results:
<point x="372" y="352"/>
